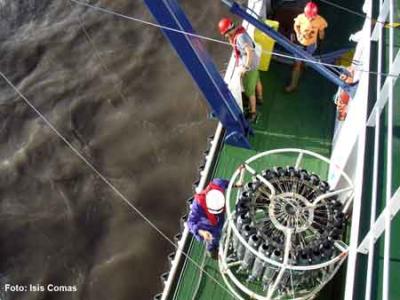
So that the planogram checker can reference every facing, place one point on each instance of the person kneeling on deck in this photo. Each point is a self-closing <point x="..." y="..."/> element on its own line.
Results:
<point x="308" y="27"/>
<point x="247" y="59"/>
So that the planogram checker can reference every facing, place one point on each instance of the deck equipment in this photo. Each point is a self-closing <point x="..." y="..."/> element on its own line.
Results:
<point x="284" y="235"/>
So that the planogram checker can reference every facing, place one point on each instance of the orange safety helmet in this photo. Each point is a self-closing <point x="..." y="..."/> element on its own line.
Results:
<point x="311" y="10"/>
<point x="225" y="25"/>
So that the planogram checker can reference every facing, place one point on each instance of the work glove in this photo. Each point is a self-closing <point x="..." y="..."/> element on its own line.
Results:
<point x="206" y="235"/>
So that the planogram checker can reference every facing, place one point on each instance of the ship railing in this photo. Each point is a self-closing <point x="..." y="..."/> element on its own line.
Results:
<point x="185" y="234"/>
<point x="380" y="226"/>
<point x="233" y="81"/>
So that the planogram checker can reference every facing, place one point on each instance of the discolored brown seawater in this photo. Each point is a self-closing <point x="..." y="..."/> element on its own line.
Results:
<point x="116" y="90"/>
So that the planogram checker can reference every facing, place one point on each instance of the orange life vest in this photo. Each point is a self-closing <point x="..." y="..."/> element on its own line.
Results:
<point x="343" y="97"/>
<point x="240" y="30"/>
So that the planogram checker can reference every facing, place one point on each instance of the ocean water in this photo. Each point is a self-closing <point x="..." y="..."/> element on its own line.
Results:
<point x="116" y="90"/>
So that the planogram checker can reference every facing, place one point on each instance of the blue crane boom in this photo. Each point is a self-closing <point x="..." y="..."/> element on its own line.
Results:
<point x="199" y="64"/>
<point x="289" y="46"/>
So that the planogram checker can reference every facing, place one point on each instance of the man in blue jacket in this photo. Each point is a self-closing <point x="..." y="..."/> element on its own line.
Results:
<point x="207" y="214"/>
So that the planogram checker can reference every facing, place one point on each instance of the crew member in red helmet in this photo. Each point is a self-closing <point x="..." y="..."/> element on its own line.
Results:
<point x="309" y="27"/>
<point x="247" y="59"/>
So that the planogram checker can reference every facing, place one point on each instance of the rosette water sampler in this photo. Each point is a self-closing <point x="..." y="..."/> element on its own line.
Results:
<point x="284" y="235"/>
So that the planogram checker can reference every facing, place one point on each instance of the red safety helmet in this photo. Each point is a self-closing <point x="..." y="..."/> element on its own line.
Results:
<point x="311" y="10"/>
<point x="225" y="25"/>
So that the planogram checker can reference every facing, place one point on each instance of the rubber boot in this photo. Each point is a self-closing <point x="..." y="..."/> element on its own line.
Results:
<point x="296" y="72"/>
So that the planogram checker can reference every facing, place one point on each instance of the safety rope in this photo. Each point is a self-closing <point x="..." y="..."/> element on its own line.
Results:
<point x="197" y="288"/>
<point x="104" y="66"/>
<point x="96" y="52"/>
<point x="385" y="24"/>
<point x="178" y="286"/>
<point x="354" y="62"/>
<point x="111" y="12"/>
<point x="98" y="173"/>
<point x="107" y="182"/>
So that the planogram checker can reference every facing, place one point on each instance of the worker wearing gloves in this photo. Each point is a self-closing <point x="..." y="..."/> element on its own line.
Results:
<point x="247" y="59"/>
<point x="207" y="213"/>
<point x="308" y="28"/>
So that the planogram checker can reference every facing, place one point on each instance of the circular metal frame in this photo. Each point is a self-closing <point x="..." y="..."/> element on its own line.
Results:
<point x="289" y="214"/>
<point x="287" y="224"/>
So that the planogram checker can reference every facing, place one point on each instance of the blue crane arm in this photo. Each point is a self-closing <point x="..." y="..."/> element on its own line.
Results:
<point x="289" y="46"/>
<point x="199" y="64"/>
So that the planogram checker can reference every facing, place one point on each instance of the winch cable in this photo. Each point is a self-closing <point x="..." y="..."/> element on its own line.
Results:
<point x="110" y="185"/>
<point x="98" y="173"/>
<point x="105" y="68"/>
<point x="111" y="12"/>
<point x="108" y="11"/>
<point x="362" y="15"/>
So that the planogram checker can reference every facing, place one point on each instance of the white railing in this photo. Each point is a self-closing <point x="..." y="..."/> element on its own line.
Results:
<point x="185" y="234"/>
<point x="349" y="144"/>
<point x="233" y="81"/>
<point x="368" y="285"/>
<point x="384" y="98"/>
<point x="389" y="165"/>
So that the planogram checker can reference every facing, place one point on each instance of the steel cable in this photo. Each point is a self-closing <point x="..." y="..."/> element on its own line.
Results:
<point x="107" y="182"/>
<point x="111" y="12"/>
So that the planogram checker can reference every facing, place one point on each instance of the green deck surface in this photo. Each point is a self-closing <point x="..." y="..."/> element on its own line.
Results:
<point x="303" y="119"/>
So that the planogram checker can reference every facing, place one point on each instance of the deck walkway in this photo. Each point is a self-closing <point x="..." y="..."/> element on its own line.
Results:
<point x="303" y="119"/>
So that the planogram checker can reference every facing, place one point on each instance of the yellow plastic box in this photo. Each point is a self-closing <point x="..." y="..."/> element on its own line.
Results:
<point x="266" y="43"/>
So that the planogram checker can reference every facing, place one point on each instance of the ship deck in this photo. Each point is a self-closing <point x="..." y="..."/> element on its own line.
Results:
<point x="304" y="119"/>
